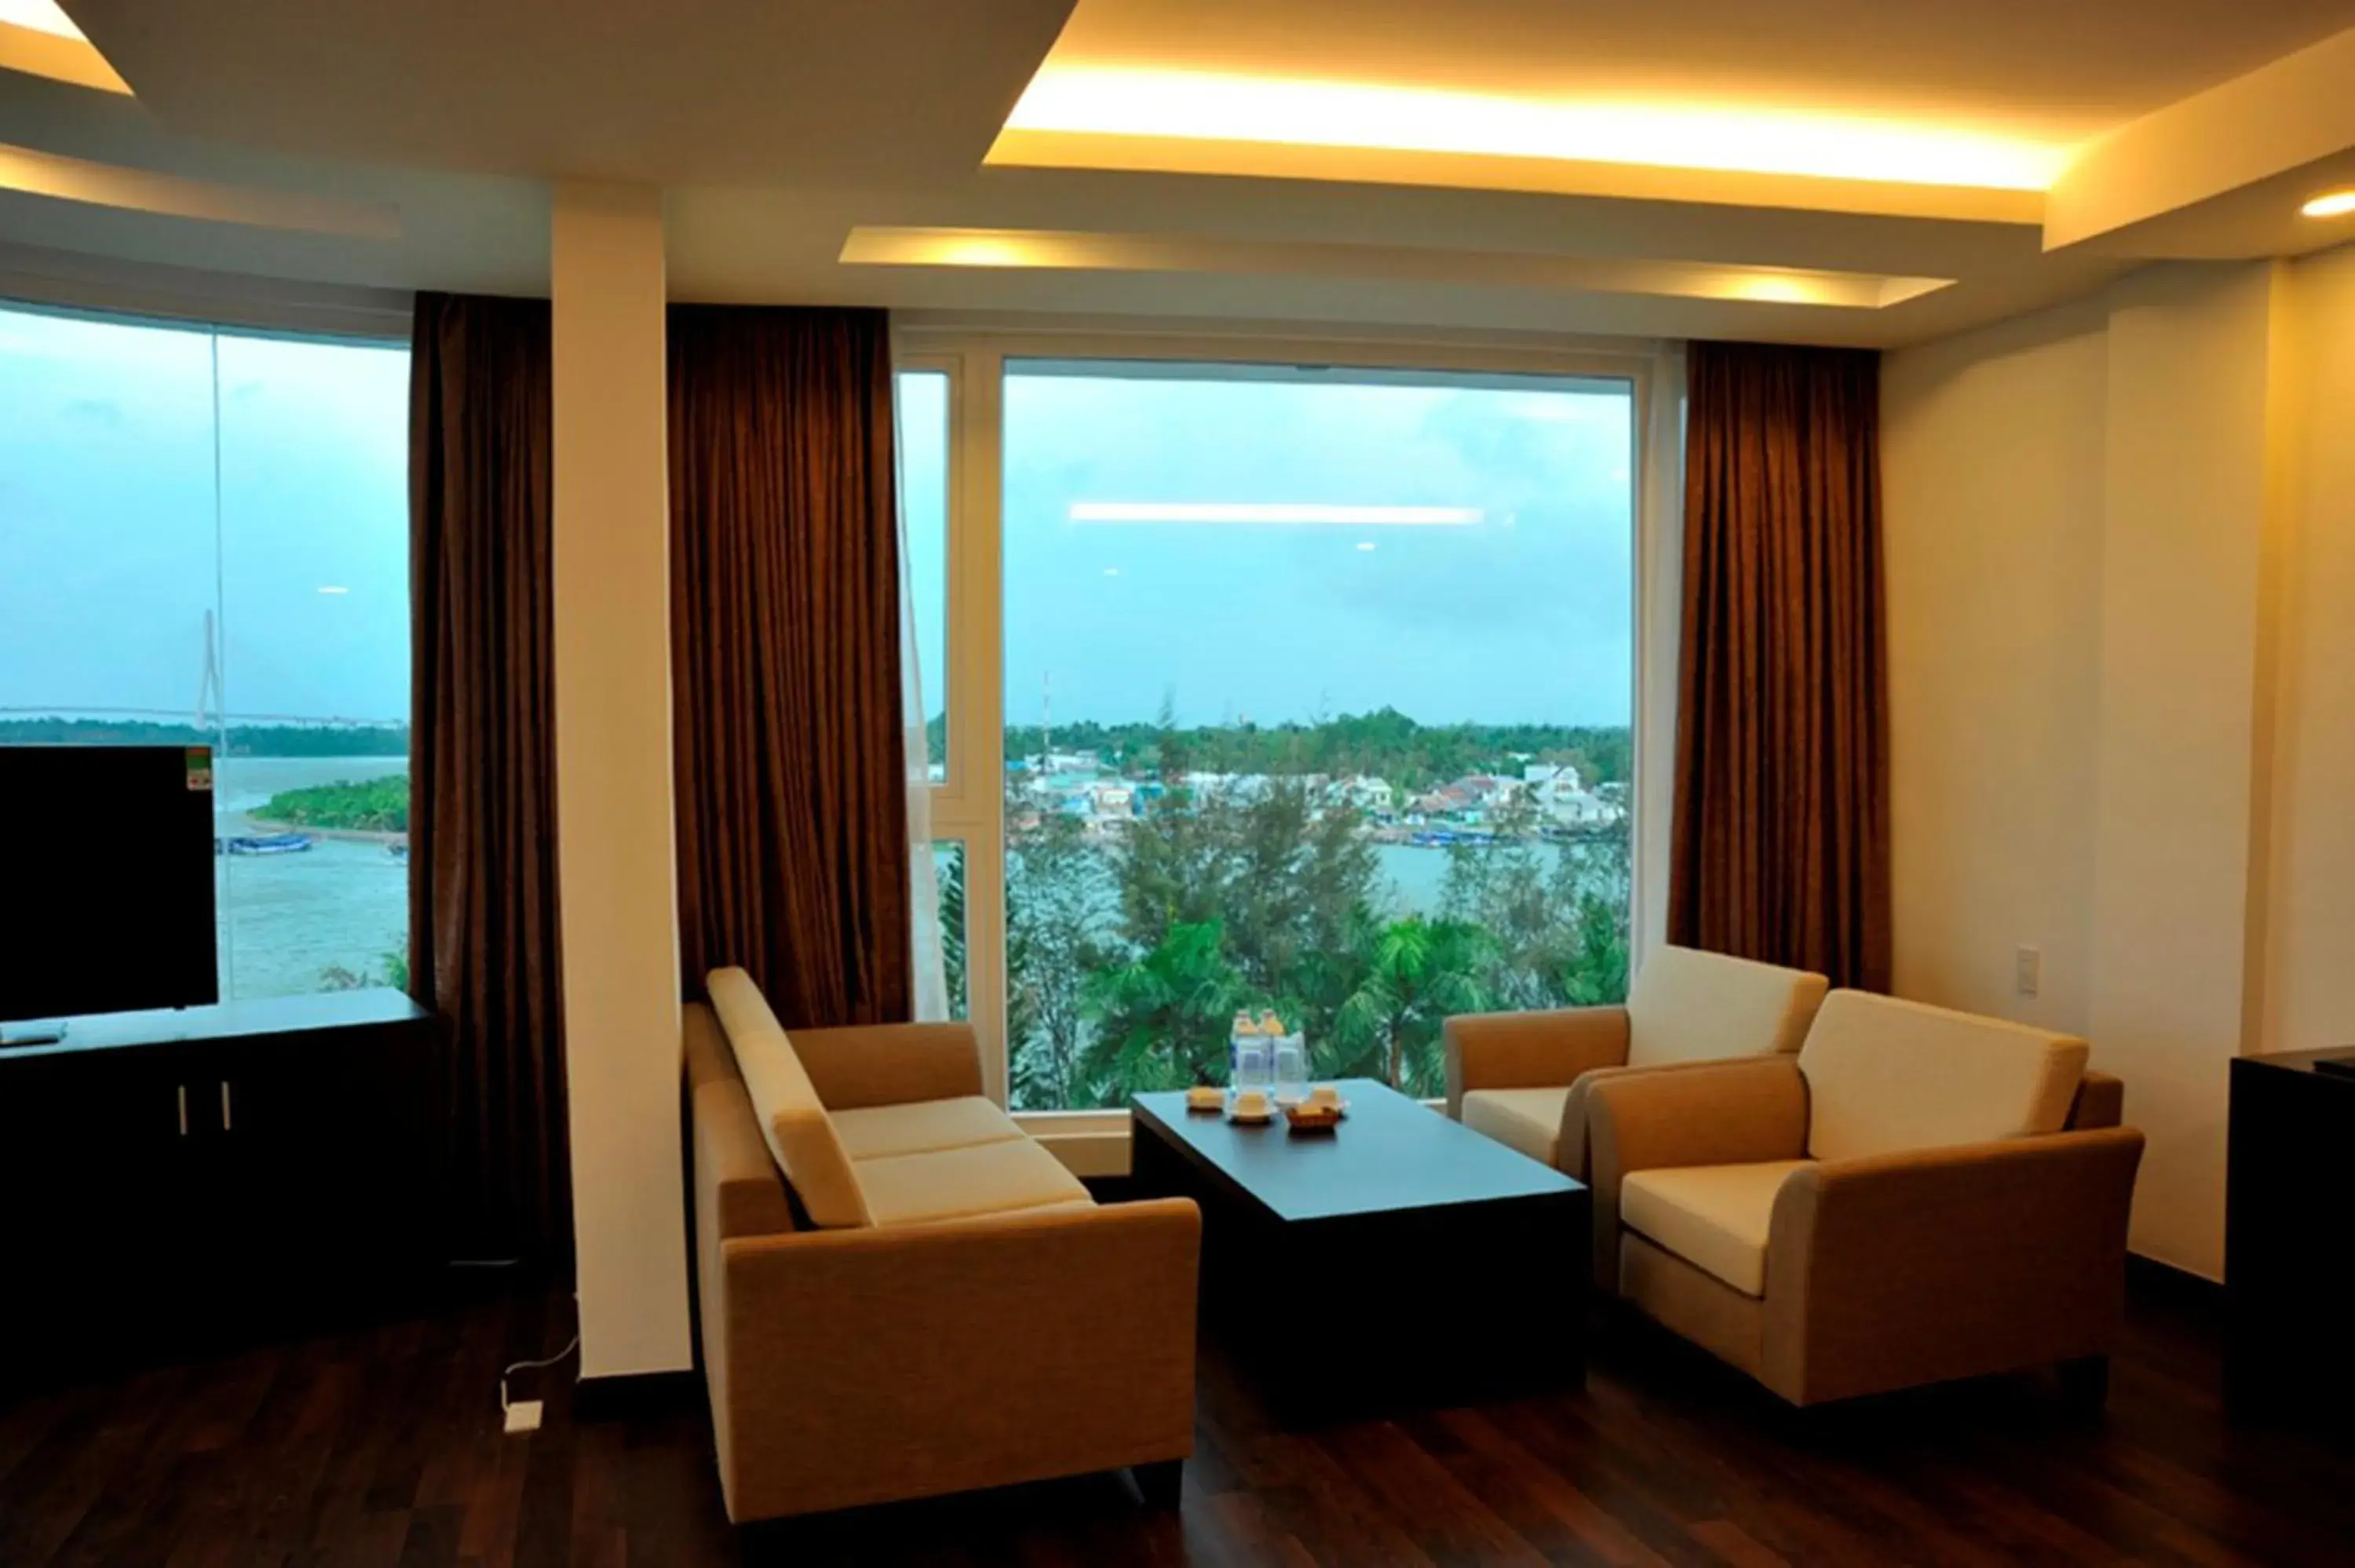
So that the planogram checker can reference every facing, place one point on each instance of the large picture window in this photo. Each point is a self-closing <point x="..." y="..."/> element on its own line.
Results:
<point x="1317" y="688"/>
<point x="204" y="540"/>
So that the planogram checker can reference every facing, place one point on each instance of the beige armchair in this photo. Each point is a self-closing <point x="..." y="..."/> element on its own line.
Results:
<point x="1919" y="1195"/>
<point x="902" y="1294"/>
<point x="1523" y="1077"/>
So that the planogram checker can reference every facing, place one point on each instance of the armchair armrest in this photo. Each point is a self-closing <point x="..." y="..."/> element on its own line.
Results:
<point x="1899" y="1269"/>
<point x="861" y="1366"/>
<point x="889" y="1064"/>
<point x="1528" y="1050"/>
<point x="2101" y="1102"/>
<point x="1741" y="1111"/>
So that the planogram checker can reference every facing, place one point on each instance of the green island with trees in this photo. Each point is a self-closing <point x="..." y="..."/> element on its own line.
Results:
<point x="369" y="806"/>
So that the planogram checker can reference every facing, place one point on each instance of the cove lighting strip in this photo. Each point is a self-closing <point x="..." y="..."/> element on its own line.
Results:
<point x="1191" y="105"/>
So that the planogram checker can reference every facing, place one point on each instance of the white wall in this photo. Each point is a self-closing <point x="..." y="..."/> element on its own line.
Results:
<point x="2178" y="721"/>
<point x="615" y="855"/>
<point x="2094" y="739"/>
<point x="1992" y="470"/>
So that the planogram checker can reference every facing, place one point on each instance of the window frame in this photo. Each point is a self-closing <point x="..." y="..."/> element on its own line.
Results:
<point x="969" y="806"/>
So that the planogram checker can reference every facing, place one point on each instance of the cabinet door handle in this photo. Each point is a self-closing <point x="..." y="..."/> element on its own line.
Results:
<point x="184" y="1110"/>
<point x="225" y="1111"/>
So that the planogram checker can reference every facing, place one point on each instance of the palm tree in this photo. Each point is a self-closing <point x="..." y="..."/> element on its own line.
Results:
<point x="1161" y="1019"/>
<point x="1413" y="974"/>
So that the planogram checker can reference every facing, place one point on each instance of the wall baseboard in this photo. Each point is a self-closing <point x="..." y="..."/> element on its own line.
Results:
<point x="621" y="1396"/>
<point x="2156" y="1281"/>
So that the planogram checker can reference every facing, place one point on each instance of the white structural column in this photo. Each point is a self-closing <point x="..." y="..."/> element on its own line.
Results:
<point x="615" y="852"/>
<point x="2180" y="817"/>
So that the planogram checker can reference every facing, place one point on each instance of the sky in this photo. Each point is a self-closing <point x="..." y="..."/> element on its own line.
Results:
<point x="116" y="540"/>
<point x="1517" y="606"/>
<point x="1502" y="592"/>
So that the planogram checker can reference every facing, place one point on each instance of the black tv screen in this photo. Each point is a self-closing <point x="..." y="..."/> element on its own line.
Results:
<point x="107" y="874"/>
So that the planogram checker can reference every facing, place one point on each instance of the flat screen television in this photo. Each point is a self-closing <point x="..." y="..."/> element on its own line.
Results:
<point x="106" y="870"/>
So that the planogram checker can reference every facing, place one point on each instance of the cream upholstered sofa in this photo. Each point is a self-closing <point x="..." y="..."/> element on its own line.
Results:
<point x="900" y="1293"/>
<point x="1523" y="1077"/>
<point x="1919" y="1195"/>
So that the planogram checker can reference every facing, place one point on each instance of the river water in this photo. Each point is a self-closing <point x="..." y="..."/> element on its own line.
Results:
<point x="287" y="921"/>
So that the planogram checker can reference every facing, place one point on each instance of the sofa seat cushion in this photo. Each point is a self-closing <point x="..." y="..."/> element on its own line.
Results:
<point x="793" y="1121"/>
<point x="1886" y="1077"/>
<point x="1691" y="1006"/>
<point x="1715" y="1217"/>
<point x="959" y="1183"/>
<point x="920" y="1126"/>
<point x="1527" y="1119"/>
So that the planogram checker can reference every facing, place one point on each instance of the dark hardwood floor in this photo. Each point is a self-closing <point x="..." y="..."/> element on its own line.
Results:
<point x="382" y="1446"/>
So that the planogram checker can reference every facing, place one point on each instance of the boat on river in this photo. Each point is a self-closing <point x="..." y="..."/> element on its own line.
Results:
<point x="263" y="843"/>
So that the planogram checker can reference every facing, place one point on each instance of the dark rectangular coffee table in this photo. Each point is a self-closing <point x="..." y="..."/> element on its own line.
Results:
<point x="1401" y="1259"/>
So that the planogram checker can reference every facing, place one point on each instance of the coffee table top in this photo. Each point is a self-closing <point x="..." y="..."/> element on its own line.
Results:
<point x="1388" y="1153"/>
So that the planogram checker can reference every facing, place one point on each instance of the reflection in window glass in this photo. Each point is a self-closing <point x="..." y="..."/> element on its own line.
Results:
<point x="1319" y="691"/>
<point x="206" y="542"/>
<point x="924" y="448"/>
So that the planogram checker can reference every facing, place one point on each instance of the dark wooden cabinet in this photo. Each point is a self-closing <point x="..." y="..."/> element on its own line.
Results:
<point x="2290" y="1238"/>
<point x="177" y="1179"/>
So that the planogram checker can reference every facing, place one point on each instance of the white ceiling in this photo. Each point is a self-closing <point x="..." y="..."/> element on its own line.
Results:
<point x="778" y="129"/>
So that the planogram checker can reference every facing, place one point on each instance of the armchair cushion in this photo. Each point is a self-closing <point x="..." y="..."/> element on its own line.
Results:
<point x="960" y="1183"/>
<point x="792" y="1121"/>
<point x="1885" y="1076"/>
<point x="874" y="1132"/>
<point x="1715" y="1217"/>
<point x="1689" y="1006"/>
<point x="1528" y="1120"/>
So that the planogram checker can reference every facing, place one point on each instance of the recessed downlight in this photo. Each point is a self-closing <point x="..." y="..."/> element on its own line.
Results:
<point x="2330" y="204"/>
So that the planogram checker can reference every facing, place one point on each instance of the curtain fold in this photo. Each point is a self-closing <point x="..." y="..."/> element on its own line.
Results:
<point x="483" y="876"/>
<point x="1779" y="843"/>
<point x="793" y="852"/>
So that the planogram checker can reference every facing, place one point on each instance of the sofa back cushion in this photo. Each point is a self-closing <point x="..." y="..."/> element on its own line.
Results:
<point x="1885" y="1076"/>
<point x="1691" y="1006"/>
<point x="799" y="1132"/>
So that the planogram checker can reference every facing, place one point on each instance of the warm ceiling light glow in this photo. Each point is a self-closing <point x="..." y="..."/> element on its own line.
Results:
<point x="41" y="15"/>
<point x="2337" y="204"/>
<point x="1207" y="106"/>
<point x="1773" y="288"/>
<point x="982" y="250"/>
<point x="1278" y="512"/>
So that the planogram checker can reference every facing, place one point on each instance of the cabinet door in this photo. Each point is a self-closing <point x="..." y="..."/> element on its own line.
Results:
<point x="101" y="1207"/>
<point x="322" y="1153"/>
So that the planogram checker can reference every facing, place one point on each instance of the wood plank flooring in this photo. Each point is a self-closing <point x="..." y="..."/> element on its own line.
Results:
<point x="381" y="1448"/>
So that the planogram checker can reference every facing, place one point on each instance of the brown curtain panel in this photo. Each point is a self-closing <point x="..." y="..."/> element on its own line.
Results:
<point x="482" y="829"/>
<point x="1781" y="843"/>
<point x="790" y="746"/>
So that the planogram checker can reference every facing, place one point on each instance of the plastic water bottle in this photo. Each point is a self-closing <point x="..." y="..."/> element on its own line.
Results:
<point x="1291" y="1068"/>
<point x="1249" y="1055"/>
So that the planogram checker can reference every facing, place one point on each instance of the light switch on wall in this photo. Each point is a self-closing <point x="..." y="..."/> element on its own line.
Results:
<point x="2029" y="971"/>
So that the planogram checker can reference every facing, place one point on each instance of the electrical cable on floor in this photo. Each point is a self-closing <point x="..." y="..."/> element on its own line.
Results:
<point x="523" y="1415"/>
